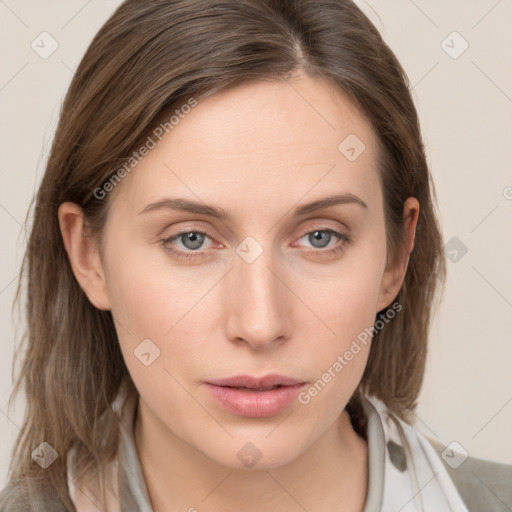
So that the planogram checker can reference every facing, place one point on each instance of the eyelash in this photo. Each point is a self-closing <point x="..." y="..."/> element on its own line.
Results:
<point x="191" y="255"/>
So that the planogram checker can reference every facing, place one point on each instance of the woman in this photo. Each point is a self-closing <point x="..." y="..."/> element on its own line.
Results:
<point x="231" y="271"/>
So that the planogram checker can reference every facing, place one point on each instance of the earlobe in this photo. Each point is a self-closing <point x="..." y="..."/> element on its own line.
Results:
<point x="394" y="275"/>
<point x="83" y="255"/>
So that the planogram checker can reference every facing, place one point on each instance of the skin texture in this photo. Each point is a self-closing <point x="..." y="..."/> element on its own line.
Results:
<point x="257" y="150"/>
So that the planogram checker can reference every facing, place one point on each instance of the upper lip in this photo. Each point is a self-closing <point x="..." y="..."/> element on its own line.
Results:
<point x="248" y="381"/>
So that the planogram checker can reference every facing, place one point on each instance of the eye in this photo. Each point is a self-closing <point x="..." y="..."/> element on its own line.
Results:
<point x="191" y="240"/>
<point x="321" y="237"/>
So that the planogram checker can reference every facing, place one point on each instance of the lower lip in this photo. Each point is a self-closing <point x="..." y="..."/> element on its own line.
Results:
<point x="254" y="404"/>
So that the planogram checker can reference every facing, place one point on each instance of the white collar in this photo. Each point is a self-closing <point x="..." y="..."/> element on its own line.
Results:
<point x="405" y="466"/>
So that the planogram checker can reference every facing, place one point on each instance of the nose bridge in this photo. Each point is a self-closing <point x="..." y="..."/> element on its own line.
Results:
<point x="257" y="311"/>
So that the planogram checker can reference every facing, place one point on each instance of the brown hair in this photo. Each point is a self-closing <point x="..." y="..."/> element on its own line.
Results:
<point x="147" y="59"/>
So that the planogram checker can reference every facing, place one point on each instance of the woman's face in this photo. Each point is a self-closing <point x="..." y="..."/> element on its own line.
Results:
<point x="274" y="287"/>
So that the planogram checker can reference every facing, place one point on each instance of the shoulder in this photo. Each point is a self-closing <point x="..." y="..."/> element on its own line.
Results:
<point x="482" y="484"/>
<point x="477" y="484"/>
<point x="19" y="498"/>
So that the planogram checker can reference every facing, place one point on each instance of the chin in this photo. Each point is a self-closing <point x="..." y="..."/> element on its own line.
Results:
<point x="253" y="453"/>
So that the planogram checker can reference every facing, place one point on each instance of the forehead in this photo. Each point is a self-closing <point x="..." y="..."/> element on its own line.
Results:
<point x="262" y="139"/>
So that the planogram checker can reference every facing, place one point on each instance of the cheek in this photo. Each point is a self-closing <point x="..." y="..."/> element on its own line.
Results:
<point x="338" y="358"/>
<point x="153" y="301"/>
<point x="346" y="303"/>
<point x="139" y="298"/>
<point x="148" y="294"/>
<point x="346" y="297"/>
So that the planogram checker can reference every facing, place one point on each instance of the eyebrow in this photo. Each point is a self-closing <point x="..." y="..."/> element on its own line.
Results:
<point x="186" y="205"/>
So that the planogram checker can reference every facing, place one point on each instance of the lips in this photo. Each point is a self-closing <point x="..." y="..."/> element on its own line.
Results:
<point x="256" y="383"/>
<point x="255" y="396"/>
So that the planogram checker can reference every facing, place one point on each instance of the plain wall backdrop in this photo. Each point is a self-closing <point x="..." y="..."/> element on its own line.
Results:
<point x="458" y="57"/>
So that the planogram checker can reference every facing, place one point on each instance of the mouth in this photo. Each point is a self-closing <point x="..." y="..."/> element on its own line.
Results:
<point x="255" y="396"/>
<point x="257" y="383"/>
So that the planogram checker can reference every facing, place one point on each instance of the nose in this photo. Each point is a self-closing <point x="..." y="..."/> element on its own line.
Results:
<point x="258" y="303"/>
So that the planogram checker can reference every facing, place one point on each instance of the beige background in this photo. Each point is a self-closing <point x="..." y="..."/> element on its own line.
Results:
<point x="465" y="104"/>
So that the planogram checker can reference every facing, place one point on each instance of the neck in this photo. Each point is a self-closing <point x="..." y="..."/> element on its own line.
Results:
<point x="330" y="475"/>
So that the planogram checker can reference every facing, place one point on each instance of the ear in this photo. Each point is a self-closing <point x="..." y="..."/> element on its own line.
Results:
<point x="394" y="273"/>
<point x="83" y="255"/>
